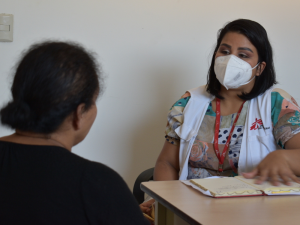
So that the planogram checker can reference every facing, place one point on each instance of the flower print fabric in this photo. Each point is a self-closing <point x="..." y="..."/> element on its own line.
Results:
<point x="295" y="120"/>
<point x="199" y="151"/>
<point x="206" y="134"/>
<point x="175" y="119"/>
<point x="203" y="161"/>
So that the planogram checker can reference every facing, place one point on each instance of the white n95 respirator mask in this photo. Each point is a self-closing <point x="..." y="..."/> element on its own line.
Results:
<point x="233" y="72"/>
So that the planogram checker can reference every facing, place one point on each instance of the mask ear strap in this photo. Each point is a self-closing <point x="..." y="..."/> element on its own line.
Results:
<point x="256" y="66"/>
<point x="249" y="80"/>
<point x="252" y="77"/>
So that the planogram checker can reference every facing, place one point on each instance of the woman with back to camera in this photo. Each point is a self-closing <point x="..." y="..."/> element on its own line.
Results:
<point x="53" y="108"/>
<point x="237" y="120"/>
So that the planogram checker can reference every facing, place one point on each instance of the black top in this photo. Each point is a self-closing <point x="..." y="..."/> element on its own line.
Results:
<point x="50" y="185"/>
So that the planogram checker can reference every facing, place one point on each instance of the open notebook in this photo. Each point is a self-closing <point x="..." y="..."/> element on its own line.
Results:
<point x="239" y="186"/>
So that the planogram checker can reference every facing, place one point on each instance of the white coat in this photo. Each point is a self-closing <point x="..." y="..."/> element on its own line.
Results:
<point x="258" y="140"/>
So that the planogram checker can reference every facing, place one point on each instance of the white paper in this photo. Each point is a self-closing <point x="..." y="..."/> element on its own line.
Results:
<point x="187" y="182"/>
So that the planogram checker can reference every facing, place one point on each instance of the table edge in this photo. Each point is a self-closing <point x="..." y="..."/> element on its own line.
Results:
<point x="166" y="204"/>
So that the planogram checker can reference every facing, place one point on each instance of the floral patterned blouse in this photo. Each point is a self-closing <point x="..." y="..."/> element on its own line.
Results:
<point x="203" y="161"/>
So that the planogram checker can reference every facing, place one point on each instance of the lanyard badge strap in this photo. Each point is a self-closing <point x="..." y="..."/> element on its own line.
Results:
<point x="220" y="156"/>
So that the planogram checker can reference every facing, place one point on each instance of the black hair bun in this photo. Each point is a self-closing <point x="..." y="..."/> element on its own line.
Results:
<point x="16" y="114"/>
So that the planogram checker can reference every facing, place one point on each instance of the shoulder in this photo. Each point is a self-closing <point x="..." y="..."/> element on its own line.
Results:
<point x="280" y="92"/>
<point x="283" y="106"/>
<point x="280" y="96"/>
<point x="195" y="92"/>
<point x="180" y="104"/>
<point x="98" y="172"/>
<point x="186" y="94"/>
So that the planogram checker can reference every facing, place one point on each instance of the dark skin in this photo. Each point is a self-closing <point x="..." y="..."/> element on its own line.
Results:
<point x="279" y="164"/>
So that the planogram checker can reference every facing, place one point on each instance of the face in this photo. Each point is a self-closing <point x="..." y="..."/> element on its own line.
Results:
<point x="239" y="45"/>
<point x="90" y="117"/>
<point x="85" y="122"/>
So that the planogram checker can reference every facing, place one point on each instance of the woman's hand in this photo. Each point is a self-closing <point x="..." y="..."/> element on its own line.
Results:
<point x="146" y="206"/>
<point x="276" y="167"/>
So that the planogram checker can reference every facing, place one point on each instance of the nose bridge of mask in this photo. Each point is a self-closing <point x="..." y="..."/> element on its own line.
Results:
<point x="233" y="75"/>
<point x="239" y="63"/>
<point x="238" y="72"/>
<point x="235" y="69"/>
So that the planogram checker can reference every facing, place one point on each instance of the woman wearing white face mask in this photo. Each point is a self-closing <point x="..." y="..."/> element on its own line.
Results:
<point x="238" y="123"/>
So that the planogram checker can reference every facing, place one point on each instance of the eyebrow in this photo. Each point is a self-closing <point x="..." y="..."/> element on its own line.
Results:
<point x="240" y="48"/>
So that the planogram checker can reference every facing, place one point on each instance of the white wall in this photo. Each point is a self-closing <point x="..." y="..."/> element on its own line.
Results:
<point x="151" y="52"/>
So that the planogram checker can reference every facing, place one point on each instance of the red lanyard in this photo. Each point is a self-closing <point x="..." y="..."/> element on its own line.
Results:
<point x="217" y="127"/>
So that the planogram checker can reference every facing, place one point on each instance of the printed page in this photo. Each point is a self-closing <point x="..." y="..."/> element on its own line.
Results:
<point x="269" y="189"/>
<point x="226" y="187"/>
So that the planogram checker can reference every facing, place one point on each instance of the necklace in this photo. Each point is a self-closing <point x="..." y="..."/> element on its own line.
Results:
<point x="41" y="137"/>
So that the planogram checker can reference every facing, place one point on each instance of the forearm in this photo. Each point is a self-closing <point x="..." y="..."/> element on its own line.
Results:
<point x="164" y="171"/>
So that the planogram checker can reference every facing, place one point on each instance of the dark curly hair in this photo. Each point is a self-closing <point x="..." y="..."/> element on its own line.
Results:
<point x="51" y="80"/>
<point x="257" y="35"/>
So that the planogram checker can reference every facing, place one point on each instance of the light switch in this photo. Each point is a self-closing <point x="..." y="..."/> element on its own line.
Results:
<point x="6" y="27"/>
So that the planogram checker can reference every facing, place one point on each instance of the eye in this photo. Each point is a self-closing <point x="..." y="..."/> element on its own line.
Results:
<point x="242" y="55"/>
<point x="225" y="52"/>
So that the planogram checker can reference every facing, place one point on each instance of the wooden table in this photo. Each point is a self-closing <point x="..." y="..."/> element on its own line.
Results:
<point x="189" y="205"/>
